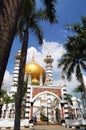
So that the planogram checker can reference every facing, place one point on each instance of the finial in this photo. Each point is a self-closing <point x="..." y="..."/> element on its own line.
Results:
<point x="48" y="55"/>
<point x="33" y="57"/>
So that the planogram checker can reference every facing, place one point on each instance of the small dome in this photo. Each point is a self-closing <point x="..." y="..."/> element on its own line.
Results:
<point x="35" y="81"/>
<point x="48" y="59"/>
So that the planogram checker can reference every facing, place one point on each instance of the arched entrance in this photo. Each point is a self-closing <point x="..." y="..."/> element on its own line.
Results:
<point x="46" y="106"/>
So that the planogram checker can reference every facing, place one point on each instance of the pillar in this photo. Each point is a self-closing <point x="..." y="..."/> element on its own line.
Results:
<point x="62" y="113"/>
<point x="41" y="79"/>
<point x="31" y="111"/>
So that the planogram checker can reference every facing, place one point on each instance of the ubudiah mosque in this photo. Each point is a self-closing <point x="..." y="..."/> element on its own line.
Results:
<point x="42" y="98"/>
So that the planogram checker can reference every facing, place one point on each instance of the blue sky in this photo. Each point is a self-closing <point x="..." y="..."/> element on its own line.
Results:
<point x="68" y="11"/>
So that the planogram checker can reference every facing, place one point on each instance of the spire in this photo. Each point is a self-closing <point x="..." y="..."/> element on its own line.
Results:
<point x="32" y="58"/>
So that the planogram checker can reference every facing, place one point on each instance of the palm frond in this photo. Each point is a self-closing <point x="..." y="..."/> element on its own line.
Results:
<point x="41" y="15"/>
<point x="75" y="27"/>
<point x="78" y="73"/>
<point x="69" y="98"/>
<point x="65" y="61"/>
<point x="83" y="18"/>
<point x="69" y="76"/>
<point x="70" y="70"/>
<point x="83" y="65"/>
<point x="50" y="10"/>
<point x="78" y="89"/>
<point x="36" y="29"/>
<point x="28" y="7"/>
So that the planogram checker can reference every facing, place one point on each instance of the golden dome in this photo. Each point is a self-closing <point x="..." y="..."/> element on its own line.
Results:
<point x="35" y="70"/>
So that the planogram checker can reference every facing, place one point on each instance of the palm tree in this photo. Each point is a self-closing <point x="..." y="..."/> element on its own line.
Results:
<point x="69" y="98"/>
<point x="79" y="89"/>
<point x="9" y="13"/>
<point x="49" y="10"/>
<point x="7" y="99"/>
<point x="74" y="60"/>
<point x="29" y="20"/>
<point x="2" y="93"/>
<point x="56" y="102"/>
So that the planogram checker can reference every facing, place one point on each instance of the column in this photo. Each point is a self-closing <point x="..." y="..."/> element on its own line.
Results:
<point x="41" y="79"/>
<point x="62" y="113"/>
<point x="31" y="111"/>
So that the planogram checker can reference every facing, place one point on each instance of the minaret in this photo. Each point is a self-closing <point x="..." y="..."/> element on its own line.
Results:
<point x="64" y="103"/>
<point x="15" y="73"/>
<point x="28" y="97"/>
<point x="48" y="69"/>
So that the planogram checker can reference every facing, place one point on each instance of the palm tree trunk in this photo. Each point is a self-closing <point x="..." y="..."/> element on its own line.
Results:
<point x="21" y="82"/>
<point x="9" y="13"/>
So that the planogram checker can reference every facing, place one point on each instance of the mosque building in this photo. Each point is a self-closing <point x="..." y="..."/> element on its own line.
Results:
<point x="42" y="100"/>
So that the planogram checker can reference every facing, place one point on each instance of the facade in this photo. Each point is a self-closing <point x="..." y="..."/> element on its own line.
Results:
<point x="42" y="100"/>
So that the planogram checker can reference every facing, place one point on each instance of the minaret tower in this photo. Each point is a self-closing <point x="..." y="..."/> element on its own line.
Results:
<point x="64" y="103"/>
<point x="16" y="68"/>
<point x="15" y="73"/>
<point x="48" y="69"/>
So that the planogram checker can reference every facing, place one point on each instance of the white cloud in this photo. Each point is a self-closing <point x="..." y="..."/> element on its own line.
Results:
<point x="54" y="48"/>
<point x="7" y="81"/>
<point x="38" y="57"/>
